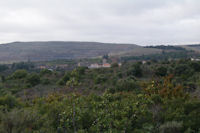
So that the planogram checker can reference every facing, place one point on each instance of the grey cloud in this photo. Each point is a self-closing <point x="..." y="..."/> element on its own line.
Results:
<point x="123" y="21"/>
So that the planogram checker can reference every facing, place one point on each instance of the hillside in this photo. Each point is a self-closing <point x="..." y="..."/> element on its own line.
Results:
<point x="194" y="47"/>
<point x="42" y="51"/>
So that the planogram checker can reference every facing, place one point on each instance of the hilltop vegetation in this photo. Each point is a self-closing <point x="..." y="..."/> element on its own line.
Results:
<point x="167" y="47"/>
<point x="155" y="97"/>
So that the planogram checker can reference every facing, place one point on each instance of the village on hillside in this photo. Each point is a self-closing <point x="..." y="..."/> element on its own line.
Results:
<point x="103" y="62"/>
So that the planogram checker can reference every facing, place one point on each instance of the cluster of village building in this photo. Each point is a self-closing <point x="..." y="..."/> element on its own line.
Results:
<point x="95" y="65"/>
<point x="104" y="64"/>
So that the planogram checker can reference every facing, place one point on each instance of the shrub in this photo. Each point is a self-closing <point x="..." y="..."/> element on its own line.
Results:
<point x="100" y="79"/>
<point x="114" y="65"/>
<point x="126" y="85"/>
<point x="64" y="79"/>
<point x="21" y="121"/>
<point x="3" y="68"/>
<point x="9" y="101"/>
<point x="19" y="74"/>
<point x="171" y="127"/>
<point x="195" y="66"/>
<point x="33" y="79"/>
<point x="135" y="70"/>
<point x="161" y="71"/>
<point x="45" y="72"/>
<point x="45" y="81"/>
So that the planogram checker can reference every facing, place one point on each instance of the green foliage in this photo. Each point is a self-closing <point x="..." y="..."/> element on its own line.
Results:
<point x="161" y="71"/>
<point x="22" y="65"/>
<point x="33" y="79"/>
<point x="81" y="70"/>
<point x="3" y="68"/>
<point x="114" y="65"/>
<point x="127" y="85"/>
<point x="99" y="113"/>
<point x="171" y="127"/>
<point x="45" y="72"/>
<point x="22" y="121"/>
<point x="3" y="79"/>
<point x="72" y="83"/>
<point x="19" y="74"/>
<point x="163" y="47"/>
<point x="184" y="71"/>
<point x="45" y="81"/>
<point x="116" y="99"/>
<point x="136" y="70"/>
<point x="64" y="79"/>
<point x="76" y="74"/>
<point x="100" y="79"/>
<point x="195" y="66"/>
<point x="9" y="102"/>
<point x="191" y="109"/>
<point x="180" y="54"/>
<point x="181" y="69"/>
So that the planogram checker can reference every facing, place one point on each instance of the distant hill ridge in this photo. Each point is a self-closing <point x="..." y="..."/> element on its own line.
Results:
<point x="52" y="50"/>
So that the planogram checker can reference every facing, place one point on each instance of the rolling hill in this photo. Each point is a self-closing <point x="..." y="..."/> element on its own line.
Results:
<point x="194" y="47"/>
<point x="53" y="50"/>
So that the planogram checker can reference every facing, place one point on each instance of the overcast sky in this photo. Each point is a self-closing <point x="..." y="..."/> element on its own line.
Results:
<point x="142" y="22"/>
